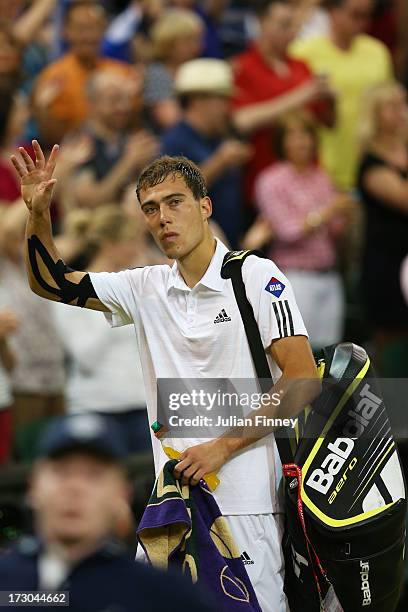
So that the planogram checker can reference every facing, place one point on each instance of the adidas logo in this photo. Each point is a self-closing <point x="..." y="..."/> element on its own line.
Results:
<point x="246" y="559"/>
<point x="222" y="317"/>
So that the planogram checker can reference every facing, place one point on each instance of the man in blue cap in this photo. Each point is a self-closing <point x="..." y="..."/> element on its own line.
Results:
<point x="77" y="491"/>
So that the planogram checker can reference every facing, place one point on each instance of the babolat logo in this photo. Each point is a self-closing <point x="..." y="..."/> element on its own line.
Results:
<point x="362" y="414"/>
<point x="365" y="585"/>
<point x="321" y="479"/>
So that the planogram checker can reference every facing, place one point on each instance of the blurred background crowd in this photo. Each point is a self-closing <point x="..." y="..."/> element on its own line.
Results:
<point x="296" y="113"/>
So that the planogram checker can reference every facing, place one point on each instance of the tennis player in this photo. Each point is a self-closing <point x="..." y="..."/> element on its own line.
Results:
<point x="188" y="326"/>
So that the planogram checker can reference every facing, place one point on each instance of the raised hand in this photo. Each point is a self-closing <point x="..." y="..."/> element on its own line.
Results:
<point x="37" y="183"/>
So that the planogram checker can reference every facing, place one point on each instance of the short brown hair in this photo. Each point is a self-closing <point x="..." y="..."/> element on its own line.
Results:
<point x="282" y="126"/>
<point x="180" y="167"/>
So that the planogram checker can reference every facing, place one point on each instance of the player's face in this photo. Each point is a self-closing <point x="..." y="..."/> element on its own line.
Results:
<point x="176" y="220"/>
<point x="77" y="498"/>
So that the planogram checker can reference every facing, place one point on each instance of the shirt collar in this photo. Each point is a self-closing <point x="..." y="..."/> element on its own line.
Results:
<point x="212" y="276"/>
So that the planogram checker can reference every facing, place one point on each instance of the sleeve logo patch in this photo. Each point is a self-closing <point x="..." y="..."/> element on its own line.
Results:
<point x="275" y="287"/>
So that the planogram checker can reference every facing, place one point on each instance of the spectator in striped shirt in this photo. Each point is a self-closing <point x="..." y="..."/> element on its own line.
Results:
<point x="304" y="217"/>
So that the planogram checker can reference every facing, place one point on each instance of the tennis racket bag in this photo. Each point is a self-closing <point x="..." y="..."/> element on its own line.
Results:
<point x="345" y="496"/>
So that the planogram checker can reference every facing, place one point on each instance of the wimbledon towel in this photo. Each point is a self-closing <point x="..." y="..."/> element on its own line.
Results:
<point x="182" y="526"/>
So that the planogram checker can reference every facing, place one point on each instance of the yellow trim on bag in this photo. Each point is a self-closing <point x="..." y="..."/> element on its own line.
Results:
<point x="355" y="519"/>
<point x="306" y="500"/>
<point x="308" y="409"/>
<point x="297" y="431"/>
<point x="239" y="256"/>
<point x="321" y="368"/>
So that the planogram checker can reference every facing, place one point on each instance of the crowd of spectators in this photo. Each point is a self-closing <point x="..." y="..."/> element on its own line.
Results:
<point x="296" y="112"/>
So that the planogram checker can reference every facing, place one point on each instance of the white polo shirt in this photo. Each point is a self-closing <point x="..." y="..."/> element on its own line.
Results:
<point x="179" y="337"/>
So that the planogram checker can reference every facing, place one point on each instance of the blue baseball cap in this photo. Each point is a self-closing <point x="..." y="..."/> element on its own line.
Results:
<point x="90" y="433"/>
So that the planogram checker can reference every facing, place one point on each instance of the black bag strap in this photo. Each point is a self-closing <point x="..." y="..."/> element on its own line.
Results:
<point x="232" y="268"/>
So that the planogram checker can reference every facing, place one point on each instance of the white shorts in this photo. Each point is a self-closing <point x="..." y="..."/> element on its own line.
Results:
<point x="258" y="537"/>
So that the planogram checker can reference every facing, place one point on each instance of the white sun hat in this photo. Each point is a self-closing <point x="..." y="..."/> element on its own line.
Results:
<point x="204" y="75"/>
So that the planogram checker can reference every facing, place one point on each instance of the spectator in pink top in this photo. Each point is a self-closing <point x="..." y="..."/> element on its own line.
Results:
<point x="302" y="217"/>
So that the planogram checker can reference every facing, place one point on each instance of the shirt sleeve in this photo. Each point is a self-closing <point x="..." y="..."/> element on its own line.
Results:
<point x="273" y="301"/>
<point x="117" y="291"/>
